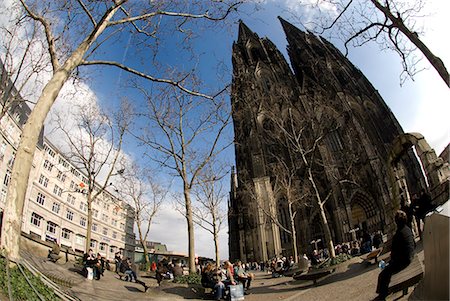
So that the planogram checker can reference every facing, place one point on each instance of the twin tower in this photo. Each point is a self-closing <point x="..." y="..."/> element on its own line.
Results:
<point x="318" y="119"/>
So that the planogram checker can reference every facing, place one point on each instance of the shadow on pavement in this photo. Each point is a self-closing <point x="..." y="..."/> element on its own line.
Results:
<point x="133" y="289"/>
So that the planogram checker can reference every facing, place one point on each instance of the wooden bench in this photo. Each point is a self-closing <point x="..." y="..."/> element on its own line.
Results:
<point x="314" y="275"/>
<point x="373" y="255"/>
<point x="411" y="275"/>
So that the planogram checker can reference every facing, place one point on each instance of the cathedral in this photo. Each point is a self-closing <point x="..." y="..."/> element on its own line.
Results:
<point x="313" y="140"/>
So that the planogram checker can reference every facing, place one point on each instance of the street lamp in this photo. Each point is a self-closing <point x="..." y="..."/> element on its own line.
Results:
<point x="315" y="242"/>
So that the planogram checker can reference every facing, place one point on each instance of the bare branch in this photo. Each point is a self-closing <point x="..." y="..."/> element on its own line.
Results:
<point x="86" y="10"/>
<point x="147" y="76"/>
<point x="231" y="8"/>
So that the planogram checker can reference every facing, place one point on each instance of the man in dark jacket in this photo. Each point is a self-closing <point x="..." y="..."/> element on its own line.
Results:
<point x="402" y="253"/>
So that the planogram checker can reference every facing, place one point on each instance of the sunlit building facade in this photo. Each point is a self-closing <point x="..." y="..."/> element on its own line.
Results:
<point x="55" y="207"/>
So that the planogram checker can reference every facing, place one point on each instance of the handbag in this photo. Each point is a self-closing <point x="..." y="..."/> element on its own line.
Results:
<point x="236" y="292"/>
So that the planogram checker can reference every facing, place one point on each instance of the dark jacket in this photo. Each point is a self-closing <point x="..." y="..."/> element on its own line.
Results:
<point x="403" y="246"/>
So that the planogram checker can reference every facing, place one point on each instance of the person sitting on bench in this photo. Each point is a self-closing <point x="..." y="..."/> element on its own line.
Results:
<point x="402" y="253"/>
<point x="242" y="276"/>
<point x="212" y="278"/>
<point x="53" y="254"/>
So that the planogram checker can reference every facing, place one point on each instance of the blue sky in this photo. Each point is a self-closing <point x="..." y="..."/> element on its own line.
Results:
<point x="421" y="105"/>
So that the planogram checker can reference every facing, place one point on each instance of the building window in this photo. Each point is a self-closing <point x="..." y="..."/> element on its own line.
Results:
<point x="63" y="162"/>
<point x="7" y="178"/>
<point x="104" y="217"/>
<point x="48" y="165"/>
<point x="123" y="237"/>
<point x="75" y="172"/>
<point x="83" y="207"/>
<point x="114" y="222"/>
<point x="95" y="213"/>
<point x="61" y="176"/>
<point x="69" y="215"/>
<point x="114" y="234"/>
<point x="40" y="198"/>
<point x="102" y="246"/>
<point x="94" y="227"/>
<point x="71" y="199"/>
<point x="65" y="233"/>
<point x="57" y="190"/>
<point x="82" y="221"/>
<point x="72" y="185"/>
<point x="334" y="140"/>
<point x="3" y="195"/>
<point x="56" y="207"/>
<point x="11" y="160"/>
<point x="93" y="244"/>
<point x="51" y="227"/>
<point x="2" y="150"/>
<point x="105" y="231"/>
<point x="112" y="250"/>
<point x="80" y="239"/>
<point x="122" y="226"/>
<point x="36" y="219"/>
<point x="43" y="180"/>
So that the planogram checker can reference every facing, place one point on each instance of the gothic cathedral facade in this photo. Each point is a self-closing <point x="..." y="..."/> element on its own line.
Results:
<point x="314" y="138"/>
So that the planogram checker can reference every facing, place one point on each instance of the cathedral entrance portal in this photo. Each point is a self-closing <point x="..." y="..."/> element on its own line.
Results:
<point x="365" y="214"/>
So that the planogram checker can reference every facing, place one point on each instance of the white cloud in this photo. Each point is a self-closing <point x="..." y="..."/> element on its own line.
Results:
<point x="170" y="228"/>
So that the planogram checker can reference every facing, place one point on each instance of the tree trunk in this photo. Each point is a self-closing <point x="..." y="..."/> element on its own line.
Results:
<point x="13" y="212"/>
<point x="327" y="233"/>
<point x="142" y="240"/>
<point x="323" y="217"/>
<point x="216" y="241"/>
<point x="190" y="226"/>
<point x="293" y="233"/>
<point x="12" y="219"/>
<point x="87" y="244"/>
<point x="435" y="61"/>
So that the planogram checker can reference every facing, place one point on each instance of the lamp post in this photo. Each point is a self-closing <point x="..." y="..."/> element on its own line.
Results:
<point x="315" y="242"/>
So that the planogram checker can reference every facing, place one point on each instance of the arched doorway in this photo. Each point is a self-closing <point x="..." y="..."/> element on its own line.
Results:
<point x="365" y="213"/>
<point x="435" y="170"/>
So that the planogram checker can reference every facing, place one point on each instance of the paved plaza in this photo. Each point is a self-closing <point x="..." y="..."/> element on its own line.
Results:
<point x="354" y="281"/>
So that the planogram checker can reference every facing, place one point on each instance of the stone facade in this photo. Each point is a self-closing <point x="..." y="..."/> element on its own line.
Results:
<point x="327" y="110"/>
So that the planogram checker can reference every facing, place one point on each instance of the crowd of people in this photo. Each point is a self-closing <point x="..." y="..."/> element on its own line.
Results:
<point x="219" y="278"/>
<point x="95" y="262"/>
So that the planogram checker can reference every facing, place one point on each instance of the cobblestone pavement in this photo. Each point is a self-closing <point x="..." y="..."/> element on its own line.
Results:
<point x="352" y="281"/>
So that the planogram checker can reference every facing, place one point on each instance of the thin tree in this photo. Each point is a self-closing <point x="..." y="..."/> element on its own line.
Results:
<point x="288" y="192"/>
<point x="289" y="189"/>
<point x="211" y="214"/>
<point x="305" y="148"/>
<point x="20" y="63"/>
<point x="94" y="146"/>
<point x="182" y="135"/>
<point x="146" y="196"/>
<point x="390" y="23"/>
<point x="77" y="33"/>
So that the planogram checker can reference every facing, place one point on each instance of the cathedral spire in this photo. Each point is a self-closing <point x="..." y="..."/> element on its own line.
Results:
<point x="245" y="33"/>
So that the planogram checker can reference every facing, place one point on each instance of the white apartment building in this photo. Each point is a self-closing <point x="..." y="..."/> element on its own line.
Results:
<point x="55" y="209"/>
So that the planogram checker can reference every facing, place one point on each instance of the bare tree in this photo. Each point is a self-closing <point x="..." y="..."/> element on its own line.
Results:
<point x="94" y="146"/>
<point x="305" y="148"/>
<point x="186" y="134"/>
<point x="20" y="63"/>
<point x="77" y="33"/>
<point x="390" y="23"/>
<point x="140" y="188"/>
<point x="288" y="192"/>
<point x="211" y="214"/>
<point x="289" y="189"/>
